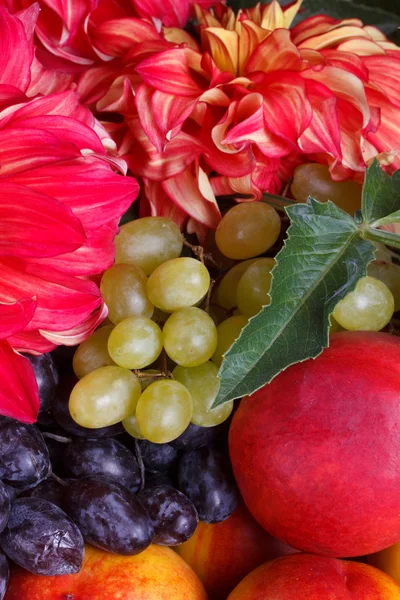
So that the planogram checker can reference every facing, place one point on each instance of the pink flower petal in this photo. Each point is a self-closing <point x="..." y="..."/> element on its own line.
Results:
<point x="63" y="301"/>
<point x="161" y="204"/>
<point x="15" y="316"/>
<point x="94" y="257"/>
<point x="31" y="342"/>
<point x="32" y="224"/>
<point x="193" y="193"/>
<point x="16" y="51"/>
<point x="26" y="149"/>
<point x="171" y="13"/>
<point x="276" y="53"/>
<point x="92" y="191"/>
<point x="116" y="36"/>
<point x="79" y="333"/>
<point x="19" y="395"/>
<point x="170" y="72"/>
<point x="384" y="71"/>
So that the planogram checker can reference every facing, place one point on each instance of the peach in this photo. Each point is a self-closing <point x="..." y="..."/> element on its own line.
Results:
<point x="158" y="573"/>
<point x="223" y="553"/>
<point x="388" y="560"/>
<point x="308" y="577"/>
<point x="315" y="452"/>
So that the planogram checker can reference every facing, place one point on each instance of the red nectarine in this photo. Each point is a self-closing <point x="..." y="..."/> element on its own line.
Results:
<point x="158" y="573"/>
<point x="316" y="451"/>
<point x="223" y="553"/>
<point x="307" y="577"/>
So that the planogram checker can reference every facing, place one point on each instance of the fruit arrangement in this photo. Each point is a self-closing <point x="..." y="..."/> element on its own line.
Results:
<point x="199" y="389"/>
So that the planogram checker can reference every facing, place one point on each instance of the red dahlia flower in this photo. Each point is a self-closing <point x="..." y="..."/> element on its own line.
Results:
<point x="60" y="204"/>
<point x="234" y="111"/>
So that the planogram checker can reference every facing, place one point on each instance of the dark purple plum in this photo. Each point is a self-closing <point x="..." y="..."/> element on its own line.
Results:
<point x="205" y="477"/>
<point x="50" y="490"/>
<point x="173" y="515"/>
<point x="195" y="436"/>
<point x="4" y="574"/>
<point x="47" y="378"/>
<point x="158" y="457"/>
<point x="109" y="515"/>
<point x="42" y="539"/>
<point x="24" y="458"/>
<point x="105" y="457"/>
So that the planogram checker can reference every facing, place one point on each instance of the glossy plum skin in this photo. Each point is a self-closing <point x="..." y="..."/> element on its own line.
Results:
<point x="157" y="458"/>
<point x="4" y="574"/>
<point x="195" y="436"/>
<point x="204" y="476"/>
<point x="109" y="515"/>
<point x="173" y="515"/>
<point x="47" y="378"/>
<point x="315" y="452"/>
<point x="104" y="457"/>
<point x="41" y="538"/>
<point x="24" y="458"/>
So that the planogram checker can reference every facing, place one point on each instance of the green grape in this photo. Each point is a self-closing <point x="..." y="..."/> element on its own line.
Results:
<point x="253" y="287"/>
<point x="313" y="179"/>
<point x="148" y="242"/>
<point x="368" y="308"/>
<point x="123" y="288"/>
<point x="382" y="254"/>
<point x="228" y="331"/>
<point x="178" y="283"/>
<point x="389" y="274"/>
<point x="104" y="397"/>
<point x="131" y="426"/>
<point x="135" y="343"/>
<point x="190" y="337"/>
<point x="247" y="230"/>
<point x="334" y="325"/>
<point x="92" y="353"/>
<point x="203" y="385"/>
<point x="225" y="295"/>
<point x="164" y="411"/>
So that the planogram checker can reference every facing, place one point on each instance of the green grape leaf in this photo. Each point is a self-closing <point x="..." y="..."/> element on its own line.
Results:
<point x="323" y="257"/>
<point x="380" y="194"/>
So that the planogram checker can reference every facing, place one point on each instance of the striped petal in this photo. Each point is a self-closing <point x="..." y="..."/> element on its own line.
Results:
<point x="19" y="395"/>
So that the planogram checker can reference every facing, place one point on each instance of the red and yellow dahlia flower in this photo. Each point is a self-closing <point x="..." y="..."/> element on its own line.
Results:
<point x="235" y="109"/>
<point x="60" y="203"/>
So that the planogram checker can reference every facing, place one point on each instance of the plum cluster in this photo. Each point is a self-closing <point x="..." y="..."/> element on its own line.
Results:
<point x="63" y="485"/>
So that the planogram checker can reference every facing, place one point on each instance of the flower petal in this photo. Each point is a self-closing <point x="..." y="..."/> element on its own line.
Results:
<point x="276" y="53"/>
<point x="19" y="395"/>
<point x="63" y="301"/>
<point x="94" y="257"/>
<point x="15" y="316"/>
<point x="116" y="36"/>
<point x="25" y="149"/>
<point x="32" y="342"/>
<point x="172" y="13"/>
<point x="194" y="195"/>
<point x="161" y="204"/>
<point x="32" y="224"/>
<point x="93" y="192"/>
<point x="16" y="50"/>
<point x="385" y="73"/>
<point x="170" y="72"/>
<point x="79" y="333"/>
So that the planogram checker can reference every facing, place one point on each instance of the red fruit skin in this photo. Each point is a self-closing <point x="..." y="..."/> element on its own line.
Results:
<point x="316" y="453"/>
<point x="223" y="553"/>
<point x="306" y="577"/>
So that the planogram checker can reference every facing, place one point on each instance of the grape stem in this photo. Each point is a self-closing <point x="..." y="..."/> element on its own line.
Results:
<point x="201" y="255"/>
<point x="380" y="235"/>
<point x="164" y="373"/>
<point x="208" y="297"/>
<point x="58" y="479"/>
<point x="57" y="438"/>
